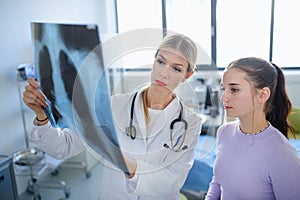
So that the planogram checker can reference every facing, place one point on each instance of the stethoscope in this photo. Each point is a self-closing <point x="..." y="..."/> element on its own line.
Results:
<point x="131" y="131"/>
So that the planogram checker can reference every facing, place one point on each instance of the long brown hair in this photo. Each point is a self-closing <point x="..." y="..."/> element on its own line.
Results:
<point x="262" y="73"/>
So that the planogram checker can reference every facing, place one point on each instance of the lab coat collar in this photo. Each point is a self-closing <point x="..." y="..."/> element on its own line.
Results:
<point x="139" y="120"/>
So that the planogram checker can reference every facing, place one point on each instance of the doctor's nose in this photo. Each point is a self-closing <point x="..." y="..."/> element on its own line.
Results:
<point x="164" y="71"/>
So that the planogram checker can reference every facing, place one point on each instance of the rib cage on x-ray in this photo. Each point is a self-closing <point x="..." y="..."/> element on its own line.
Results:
<point x="69" y="66"/>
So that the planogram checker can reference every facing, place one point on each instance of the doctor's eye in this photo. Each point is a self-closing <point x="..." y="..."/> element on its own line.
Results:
<point x="177" y="69"/>
<point x="160" y="61"/>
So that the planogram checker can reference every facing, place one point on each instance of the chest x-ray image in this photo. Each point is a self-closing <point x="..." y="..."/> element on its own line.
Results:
<point x="69" y="67"/>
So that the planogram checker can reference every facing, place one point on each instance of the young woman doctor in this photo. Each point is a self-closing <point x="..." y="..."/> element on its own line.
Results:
<point x="155" y="156"/>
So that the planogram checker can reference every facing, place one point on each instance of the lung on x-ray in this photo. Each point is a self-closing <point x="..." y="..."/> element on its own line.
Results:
<point x="69" y="67"/>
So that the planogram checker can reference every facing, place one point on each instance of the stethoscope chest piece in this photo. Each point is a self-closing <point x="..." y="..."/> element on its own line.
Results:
<point x="130" y="131"/>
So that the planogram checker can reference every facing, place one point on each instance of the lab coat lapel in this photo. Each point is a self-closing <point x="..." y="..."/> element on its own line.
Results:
<point x="172" y="109"/>
<point x="172" y="112"/>
<point x="161" y="130"/>
<point x="139" y="119"/>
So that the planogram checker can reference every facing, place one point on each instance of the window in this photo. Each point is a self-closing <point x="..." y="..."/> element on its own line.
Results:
<point x="286" y="40"/>
<point x="192" y="18"/>
<point x="243" y="29"/>
<point x="137" y="14"/>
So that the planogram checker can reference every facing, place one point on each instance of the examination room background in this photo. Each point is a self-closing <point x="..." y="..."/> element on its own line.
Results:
<point x="16" y="49"/>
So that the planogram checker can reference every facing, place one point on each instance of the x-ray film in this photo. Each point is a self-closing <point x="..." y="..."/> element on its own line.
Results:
<point x="69" y="67"/>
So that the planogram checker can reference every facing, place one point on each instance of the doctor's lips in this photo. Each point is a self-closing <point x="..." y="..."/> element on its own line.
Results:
<point x="160" y="83"/>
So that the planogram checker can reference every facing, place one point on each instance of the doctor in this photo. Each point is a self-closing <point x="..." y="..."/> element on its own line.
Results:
<point x="156" y="133"/>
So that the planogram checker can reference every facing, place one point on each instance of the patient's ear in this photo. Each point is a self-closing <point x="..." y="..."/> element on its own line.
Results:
<point x="264" y="94"/>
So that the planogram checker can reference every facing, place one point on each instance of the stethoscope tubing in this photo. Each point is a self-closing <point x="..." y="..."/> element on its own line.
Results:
<point x="130" y="131"/>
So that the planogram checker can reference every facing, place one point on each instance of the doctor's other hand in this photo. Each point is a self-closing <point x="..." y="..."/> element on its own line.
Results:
<point x="131" y="166"/>
<point x="34" y="98"/>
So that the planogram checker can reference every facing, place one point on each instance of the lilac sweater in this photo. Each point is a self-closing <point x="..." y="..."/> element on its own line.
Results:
<point x="261" y="167"/>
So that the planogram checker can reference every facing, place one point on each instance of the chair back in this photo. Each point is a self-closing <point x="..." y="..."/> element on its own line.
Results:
<point x="294" y="119"/>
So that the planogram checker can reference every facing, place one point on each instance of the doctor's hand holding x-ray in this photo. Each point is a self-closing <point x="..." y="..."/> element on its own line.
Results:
<point x="156" y="133"/>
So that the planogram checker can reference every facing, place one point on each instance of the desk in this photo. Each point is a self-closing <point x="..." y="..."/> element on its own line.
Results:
<point x="8" y="186"/>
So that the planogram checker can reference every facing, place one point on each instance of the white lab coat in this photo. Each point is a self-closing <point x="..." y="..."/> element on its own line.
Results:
<point x="160" y="172"/>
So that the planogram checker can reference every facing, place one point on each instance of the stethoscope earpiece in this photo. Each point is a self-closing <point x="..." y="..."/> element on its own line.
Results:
<point x="184" y="147"/>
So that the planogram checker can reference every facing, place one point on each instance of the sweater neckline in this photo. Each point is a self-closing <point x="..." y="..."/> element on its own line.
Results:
<point x="253" y="138"/>
<point x="258" y="132"/>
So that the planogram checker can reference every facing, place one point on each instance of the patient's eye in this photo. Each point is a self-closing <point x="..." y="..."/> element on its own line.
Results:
<point x="234" y="90"/>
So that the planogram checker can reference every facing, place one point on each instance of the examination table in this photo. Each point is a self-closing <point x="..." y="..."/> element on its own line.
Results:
<point x="202" y="170"/>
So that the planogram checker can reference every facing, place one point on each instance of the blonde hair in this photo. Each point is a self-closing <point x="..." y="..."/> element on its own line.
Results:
<point x="185" y="45"/>
<point x="188" y="49"/>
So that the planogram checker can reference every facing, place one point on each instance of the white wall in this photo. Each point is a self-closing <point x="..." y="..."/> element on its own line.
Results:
<point x="15" y="49"/>
<point x="15" y="40"/>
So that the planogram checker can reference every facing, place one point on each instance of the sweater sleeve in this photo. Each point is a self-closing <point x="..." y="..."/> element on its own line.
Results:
<point x="56" y="142"/>
<point x="214" y="190"/>
<point x="285" y="173"/>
